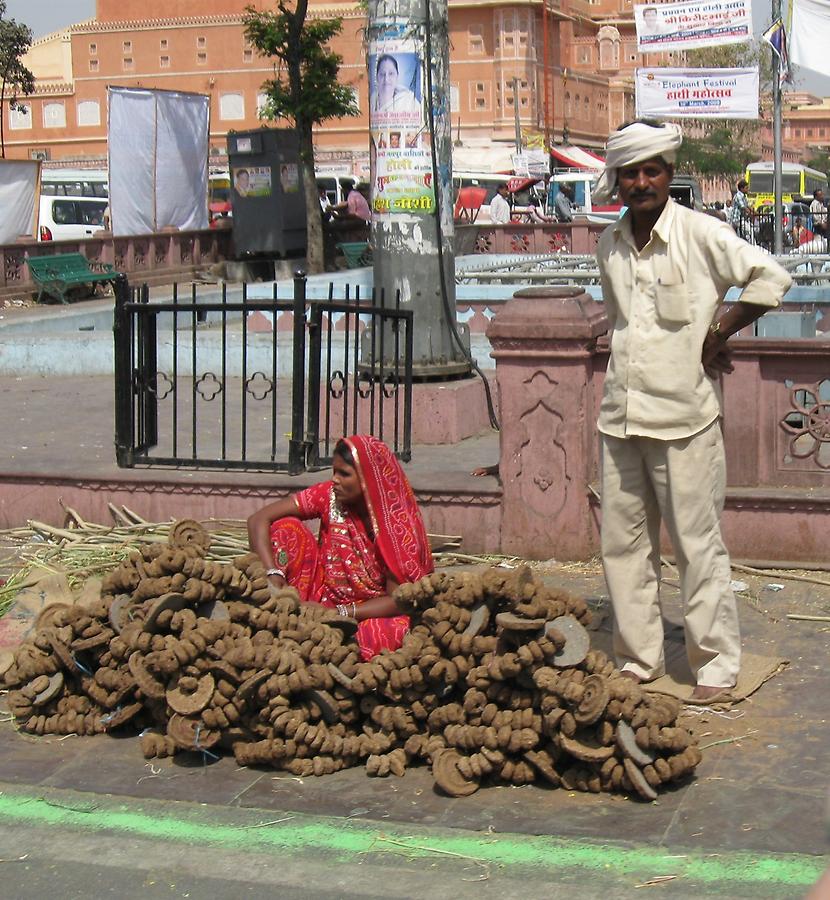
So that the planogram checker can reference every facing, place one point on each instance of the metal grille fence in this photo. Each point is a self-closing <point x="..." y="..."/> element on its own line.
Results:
<point x="216" y="378"/>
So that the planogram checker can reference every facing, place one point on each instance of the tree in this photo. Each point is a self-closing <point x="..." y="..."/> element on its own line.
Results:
<point x="15" y="78"/>
<point x="305" y="90"/>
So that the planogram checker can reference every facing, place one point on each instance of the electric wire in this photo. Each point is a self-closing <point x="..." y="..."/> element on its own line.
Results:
<point x="450" y="313"/>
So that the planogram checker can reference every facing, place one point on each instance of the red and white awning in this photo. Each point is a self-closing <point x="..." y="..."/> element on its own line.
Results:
<point x="573" y="157"/>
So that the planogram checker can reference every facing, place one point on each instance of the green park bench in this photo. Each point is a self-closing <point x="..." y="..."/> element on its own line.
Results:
<point x="357" y="253"/>
<point x="56" y="275"/>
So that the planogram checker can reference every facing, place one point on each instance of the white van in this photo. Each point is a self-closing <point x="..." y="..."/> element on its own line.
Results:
<point x="70" y="218"/>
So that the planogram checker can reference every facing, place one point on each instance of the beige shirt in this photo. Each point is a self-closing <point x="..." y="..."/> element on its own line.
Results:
<point x="660" y="303"/>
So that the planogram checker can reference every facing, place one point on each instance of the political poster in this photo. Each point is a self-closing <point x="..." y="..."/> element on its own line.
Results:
<point x="403" y="182"/>
<point x="684" y="26"/>
<point x="252" y="181"/>
<point x="697" y="93"/>
<point x="395" y="85"/>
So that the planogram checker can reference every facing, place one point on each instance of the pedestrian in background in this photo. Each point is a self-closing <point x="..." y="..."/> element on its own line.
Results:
<point x="563" y="204"/>
<point x="499" y="207"/>
<point x="665" y="270"/>
<point x="740" y="216"/>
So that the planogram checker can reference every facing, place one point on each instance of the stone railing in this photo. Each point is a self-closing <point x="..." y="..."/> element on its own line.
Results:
<point x="551" y="353"/>
<point x="572" y="237"/>
<point x="151" y="258"/>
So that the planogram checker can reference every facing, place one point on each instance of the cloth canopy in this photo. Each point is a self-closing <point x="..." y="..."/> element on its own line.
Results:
<point x="577" y="158"/>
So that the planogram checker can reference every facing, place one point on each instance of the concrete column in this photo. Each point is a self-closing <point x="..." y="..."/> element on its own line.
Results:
<point x="544" y="344"/>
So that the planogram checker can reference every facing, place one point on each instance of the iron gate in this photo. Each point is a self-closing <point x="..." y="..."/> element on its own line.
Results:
<point x="220" y="379"/>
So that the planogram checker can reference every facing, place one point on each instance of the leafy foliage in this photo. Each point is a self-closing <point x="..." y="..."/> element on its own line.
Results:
<point x="15" y="79"/>
<point x="319" y="95"/>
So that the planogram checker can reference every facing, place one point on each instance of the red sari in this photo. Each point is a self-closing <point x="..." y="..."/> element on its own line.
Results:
<point x="347" y="564"/>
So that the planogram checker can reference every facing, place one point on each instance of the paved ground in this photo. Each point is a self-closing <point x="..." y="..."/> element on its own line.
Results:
<point x="91" y="818"/>
<point x="92" y="814"/>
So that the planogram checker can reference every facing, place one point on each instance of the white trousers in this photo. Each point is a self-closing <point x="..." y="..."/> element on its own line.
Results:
<point x="683" y="482"/>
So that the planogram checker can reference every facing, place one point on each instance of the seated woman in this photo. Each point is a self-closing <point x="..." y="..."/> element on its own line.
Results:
<point x="371" y="539"/>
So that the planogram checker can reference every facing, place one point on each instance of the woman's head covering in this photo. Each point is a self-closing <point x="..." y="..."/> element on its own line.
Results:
<point x="396" y="520"/>
<point x="634" y="144"/>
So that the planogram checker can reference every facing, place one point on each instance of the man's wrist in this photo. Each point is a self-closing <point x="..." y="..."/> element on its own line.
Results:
<point x="716" y="330"/>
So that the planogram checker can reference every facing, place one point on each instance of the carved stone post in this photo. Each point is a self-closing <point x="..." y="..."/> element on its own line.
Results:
<point x="548" y="372"/>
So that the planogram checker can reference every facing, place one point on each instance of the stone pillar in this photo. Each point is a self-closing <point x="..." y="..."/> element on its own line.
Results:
<point x="544" y="343"/>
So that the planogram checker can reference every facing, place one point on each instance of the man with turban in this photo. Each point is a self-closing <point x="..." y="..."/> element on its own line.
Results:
<point x="665" y="270"/>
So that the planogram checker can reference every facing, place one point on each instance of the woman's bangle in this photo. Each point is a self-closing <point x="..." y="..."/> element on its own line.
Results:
<point x="270" y="572"/>
<point x="341" y="610"/>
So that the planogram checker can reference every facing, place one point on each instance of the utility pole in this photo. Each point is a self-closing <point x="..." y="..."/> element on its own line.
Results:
<point x="411" y="170"/>
<point x="778" y="239"/>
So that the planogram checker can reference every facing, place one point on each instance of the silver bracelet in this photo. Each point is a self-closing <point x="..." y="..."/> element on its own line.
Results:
<point x="270" y="572"/>
<point x="342" y="611"/>
<point x="354" y="610"/>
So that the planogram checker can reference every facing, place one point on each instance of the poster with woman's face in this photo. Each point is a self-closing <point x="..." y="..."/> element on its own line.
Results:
<point x="395" y="85"/>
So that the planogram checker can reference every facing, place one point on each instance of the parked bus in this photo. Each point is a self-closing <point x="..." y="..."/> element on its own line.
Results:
<point x="74" y="182"/>
<point x="796" y="181"/>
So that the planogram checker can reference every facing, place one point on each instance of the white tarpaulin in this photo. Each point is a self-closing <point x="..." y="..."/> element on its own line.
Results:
<point x="19" y="183"/>
<point x="699" y="23"/>
<point x="697" y="93"/>
<point x="158" y="160"/>
<point x="810" y="35"/>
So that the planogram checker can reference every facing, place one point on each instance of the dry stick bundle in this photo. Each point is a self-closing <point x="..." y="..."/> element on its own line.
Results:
<point x="495" y="682"/>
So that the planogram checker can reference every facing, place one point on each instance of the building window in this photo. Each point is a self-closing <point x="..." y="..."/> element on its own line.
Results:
<point x="164" y="62"/>
<point x="798" y="132"/>
<point x="163" y="44"/>
<point x="247" y="56"/>
<point x="809" y="132"/>
<point x="93" y="65"/>
<point x="480" y="96"/>
<point x="201" y="43"/>
<point x="89" y="113"/>
<point x="475" y="40"/>
<point x="232" y="106"/>
<point x="201" y="59"/>
<point x="127" y="47"/>
<point x="356" y="97"/>
<point x="584" y="55"/>
<point x="20" y="119"/>
<point x="261" y="103"/>
<point x="127" y="63"/>
<point x="93" y="49"/>
<point x="54" y="115"/>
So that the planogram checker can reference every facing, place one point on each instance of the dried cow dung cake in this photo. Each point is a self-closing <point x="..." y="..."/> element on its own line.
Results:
<point x="496" y="682"/>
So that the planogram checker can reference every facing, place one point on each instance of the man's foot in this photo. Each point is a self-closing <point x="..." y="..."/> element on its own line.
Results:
<point x="631" y="676"/>
<point x="705" y="692"/>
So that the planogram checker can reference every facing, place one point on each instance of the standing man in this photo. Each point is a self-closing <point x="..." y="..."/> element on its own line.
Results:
<point x="499" y="207"/>
<point x="819" y="213"/>
<point x="740" y="214"/>
<point x="562" y="205"/>
<point x="665" y="270"/>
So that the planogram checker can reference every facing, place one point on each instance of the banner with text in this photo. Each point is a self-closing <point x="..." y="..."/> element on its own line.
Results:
<point x="684" y="26"/>
<point x="697" y="93"/>
<point x="403" y="182"/>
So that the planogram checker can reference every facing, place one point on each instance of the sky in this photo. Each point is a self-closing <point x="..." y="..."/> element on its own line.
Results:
<point x="43" y="16"/>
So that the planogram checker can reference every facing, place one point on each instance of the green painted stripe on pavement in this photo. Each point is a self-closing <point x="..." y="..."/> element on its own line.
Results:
<point x="348" y="838"/>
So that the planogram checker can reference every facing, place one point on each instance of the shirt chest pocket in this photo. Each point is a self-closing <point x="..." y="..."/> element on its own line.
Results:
<point x="671" y="303"/>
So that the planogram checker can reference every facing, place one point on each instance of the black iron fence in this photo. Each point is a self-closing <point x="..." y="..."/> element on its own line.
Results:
<point x="217" y="378"/>
<point x="800" y="234"/>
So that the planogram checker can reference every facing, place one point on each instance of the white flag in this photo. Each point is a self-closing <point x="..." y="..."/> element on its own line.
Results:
<point x="810" y="35"/>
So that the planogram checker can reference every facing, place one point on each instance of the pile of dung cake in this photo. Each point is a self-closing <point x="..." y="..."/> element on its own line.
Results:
<point x="496" y="681"/>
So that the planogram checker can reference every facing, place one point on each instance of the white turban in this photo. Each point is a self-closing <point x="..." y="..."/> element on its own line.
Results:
<point x="635" y="144"/>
